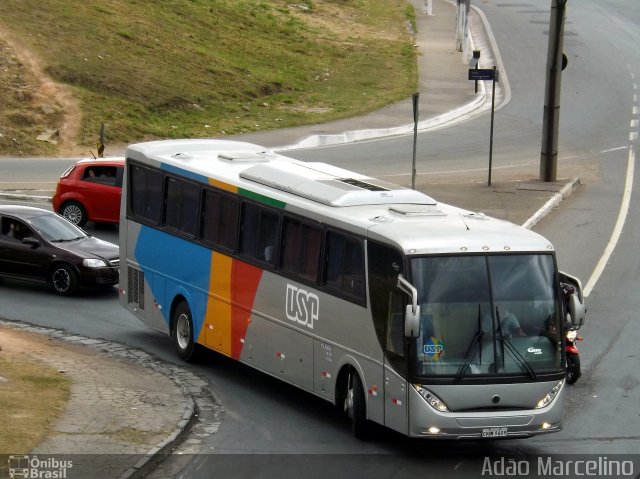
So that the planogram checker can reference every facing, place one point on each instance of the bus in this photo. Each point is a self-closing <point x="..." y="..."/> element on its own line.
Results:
<point x="428" y="319"/>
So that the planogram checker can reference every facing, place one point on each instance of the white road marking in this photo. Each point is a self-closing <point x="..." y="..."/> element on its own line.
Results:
<point x="617" y="230"/>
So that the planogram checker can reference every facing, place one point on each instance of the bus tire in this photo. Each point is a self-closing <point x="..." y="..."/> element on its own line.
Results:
<point x="182" y="332"/>
<point x="356" y="407"/>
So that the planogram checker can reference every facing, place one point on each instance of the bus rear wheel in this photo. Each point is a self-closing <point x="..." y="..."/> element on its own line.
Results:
<point x="183" y="332"/>
<point x="355" y="406"/>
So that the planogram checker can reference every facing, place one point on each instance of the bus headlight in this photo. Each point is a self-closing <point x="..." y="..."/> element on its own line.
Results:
<point x="93" y="263"/>
<point x="434" y="401"/>
<point x="545" y="401"/>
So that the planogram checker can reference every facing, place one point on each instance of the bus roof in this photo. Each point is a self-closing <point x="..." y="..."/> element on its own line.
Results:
<point x="409" y="219"/>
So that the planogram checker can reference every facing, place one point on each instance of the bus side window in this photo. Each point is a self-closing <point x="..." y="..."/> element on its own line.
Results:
<point x="181" y="206"/>
<point x="145" y="196"/>
<point x="301" y="248"/>
<point x="220" y="219"/>
<point x="259" y="233"/>
<point x="345" y="265"/>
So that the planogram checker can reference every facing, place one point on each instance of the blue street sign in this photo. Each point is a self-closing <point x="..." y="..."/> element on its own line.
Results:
<point x="481" y="74"/>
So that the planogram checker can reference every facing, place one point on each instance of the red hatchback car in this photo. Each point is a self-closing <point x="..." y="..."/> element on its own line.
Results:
<point x="90" y="190"/>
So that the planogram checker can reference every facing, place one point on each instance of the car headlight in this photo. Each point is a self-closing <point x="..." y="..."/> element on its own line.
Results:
<point x="434" y="401"/>
<point x="545" y="401"/>
<point x="93" y="263"/>
<point x="571" y="334"/>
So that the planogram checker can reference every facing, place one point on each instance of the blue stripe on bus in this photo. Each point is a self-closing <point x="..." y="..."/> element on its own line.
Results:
<point x="184" y="173"/>
<point x="175" y="258"/>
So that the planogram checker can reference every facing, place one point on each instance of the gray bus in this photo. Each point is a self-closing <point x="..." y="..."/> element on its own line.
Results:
<point x="425" y="318"/>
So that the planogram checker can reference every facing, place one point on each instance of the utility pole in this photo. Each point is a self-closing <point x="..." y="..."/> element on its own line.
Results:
<point x="462" y="25"/>
<point x="551" y="119"/>
<point x="415" y="99"/>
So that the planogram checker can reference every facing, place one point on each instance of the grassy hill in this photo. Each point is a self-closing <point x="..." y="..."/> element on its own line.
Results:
<point x="192" y="68"/>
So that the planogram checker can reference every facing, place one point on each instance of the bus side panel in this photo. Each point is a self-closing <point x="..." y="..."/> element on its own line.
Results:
<point x="254" y="351"/>
<point x="290" y="355"/>
<point x="326" y="375"/>
<point x="157" y="313"/>
<point x="232" y="289"/>
<point x="219" y="310"/>
<point x="157" y="251"/>
<point x="310" y="328"/>
<point x="247" y="280"/>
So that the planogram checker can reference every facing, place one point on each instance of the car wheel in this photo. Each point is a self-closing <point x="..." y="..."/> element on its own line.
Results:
<point x="355" y="406"/>
<point x="63" y="279"/>
<point x="74" y="212"/>
<point x="183" y="332"/>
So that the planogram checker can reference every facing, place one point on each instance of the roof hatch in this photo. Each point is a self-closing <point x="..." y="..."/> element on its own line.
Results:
<point x="331" y="185"/>
<point x="245" y="156"/>
<point x="417" y="210"/>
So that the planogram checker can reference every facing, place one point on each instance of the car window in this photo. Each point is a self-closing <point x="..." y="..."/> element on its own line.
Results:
<point x="55" y="228"/>
<point x="119" y="175"/>
<point x="102" y="174"/>
<point x="15" y="229"/>
<point x="4" y="226"/>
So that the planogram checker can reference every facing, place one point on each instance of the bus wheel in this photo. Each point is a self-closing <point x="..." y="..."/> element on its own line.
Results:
<point x="355" y="406"/>
<point x="182" y="331"/>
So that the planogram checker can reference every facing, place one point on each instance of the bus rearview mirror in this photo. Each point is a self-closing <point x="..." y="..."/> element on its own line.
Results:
<point x="412" y="321"/>
<point x="576" y="310"/>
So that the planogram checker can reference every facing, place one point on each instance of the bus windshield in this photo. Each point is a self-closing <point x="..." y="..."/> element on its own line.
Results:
<point x="487" y="315"/>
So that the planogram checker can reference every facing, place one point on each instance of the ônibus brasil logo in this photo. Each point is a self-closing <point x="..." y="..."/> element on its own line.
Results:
<point x="38" y="467"/>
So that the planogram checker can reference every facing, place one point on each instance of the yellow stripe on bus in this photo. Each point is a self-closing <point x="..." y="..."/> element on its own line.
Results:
<point x="218" y="316"/>
<point x="223" y="186"/>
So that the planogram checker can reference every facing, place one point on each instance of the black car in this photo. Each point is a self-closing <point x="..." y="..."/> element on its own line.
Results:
<point x="38" y="245"/>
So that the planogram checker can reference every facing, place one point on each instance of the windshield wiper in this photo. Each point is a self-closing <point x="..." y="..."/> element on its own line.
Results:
<point x="471" y="350"/>
<point x="67" y="240"/>
<point x="522" y="362"/>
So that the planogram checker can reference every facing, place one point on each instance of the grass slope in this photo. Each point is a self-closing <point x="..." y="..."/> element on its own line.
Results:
<point x="193" y="68"/>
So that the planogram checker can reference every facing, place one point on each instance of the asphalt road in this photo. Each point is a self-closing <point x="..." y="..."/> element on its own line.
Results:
<point x="599" y="104"/>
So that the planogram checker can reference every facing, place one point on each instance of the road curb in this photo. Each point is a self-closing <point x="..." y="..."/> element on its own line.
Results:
<point x="190" y="414"/>
<point x="25" y="197"/>
<point x="553" y="203"/>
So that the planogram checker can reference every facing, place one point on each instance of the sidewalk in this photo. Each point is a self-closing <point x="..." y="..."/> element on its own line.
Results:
<point x="126" y="409"/>
<point x="138" y="396"/>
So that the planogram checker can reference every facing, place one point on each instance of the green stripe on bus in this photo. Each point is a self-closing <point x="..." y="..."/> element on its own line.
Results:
<point x="261" y="198"/>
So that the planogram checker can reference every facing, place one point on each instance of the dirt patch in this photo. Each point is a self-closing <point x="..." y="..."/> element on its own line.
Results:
<point x="340" y="22"/>
<point x="33" y="104"/>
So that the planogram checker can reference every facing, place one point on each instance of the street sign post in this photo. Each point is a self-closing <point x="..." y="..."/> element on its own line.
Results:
<point x="487" y="74"/>
<point x="473" y="63"/>
<point x="481" y="74"/>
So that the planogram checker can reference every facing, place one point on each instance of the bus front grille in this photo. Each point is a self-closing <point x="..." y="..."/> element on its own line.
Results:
<point x="136" y="287"/>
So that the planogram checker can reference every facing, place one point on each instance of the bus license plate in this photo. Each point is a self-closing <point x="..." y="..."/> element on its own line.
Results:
<point x="494" y="432"/>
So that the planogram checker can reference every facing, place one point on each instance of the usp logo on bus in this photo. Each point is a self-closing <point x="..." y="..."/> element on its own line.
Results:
<point x="302" y="306"/>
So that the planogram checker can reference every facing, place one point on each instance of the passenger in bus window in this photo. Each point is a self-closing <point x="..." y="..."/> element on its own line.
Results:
<point x="270" y="254"/>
